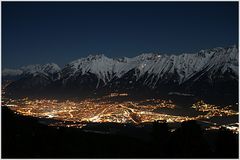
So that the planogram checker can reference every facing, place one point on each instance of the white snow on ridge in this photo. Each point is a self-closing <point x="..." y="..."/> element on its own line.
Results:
<point x="99" y="65"/>
<point x="11" y="72"/>
<point x="51" y="70"/>
<point x="178" y="68"/>
<point x="184" y="66"/>
<point x="47" y="68"/>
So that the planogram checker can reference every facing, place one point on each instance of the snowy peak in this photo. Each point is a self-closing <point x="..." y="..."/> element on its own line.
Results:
<point x="223" y="60"/>
<point x="96" y="57"/>
<point x="211" y="71"/>
<point x="148" y="69"/>
<point x="147" y="56"/>
<point x="182" y="67"/>
<point x="47" y="68"/>
<point x="50" y="70"/>
<point x="99" y="65"/>
<point x="11" y="72"/>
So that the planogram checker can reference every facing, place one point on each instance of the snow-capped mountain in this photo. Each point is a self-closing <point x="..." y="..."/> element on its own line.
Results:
<point x="11" y="72"/>
<point x="35" y="77"/>
<point x="99" y="66"/>
<point x="49" y="70"/>
<point x="157" y="72"/>
<point x="158" y="68"/>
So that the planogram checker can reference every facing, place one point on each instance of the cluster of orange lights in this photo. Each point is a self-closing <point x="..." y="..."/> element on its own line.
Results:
<point x="100" y="110"/>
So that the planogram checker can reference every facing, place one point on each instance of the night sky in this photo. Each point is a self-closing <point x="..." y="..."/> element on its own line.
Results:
<point x="38" y="33"/>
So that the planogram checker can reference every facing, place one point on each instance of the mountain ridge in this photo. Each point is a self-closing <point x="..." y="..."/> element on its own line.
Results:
<point x="149" y="71"/>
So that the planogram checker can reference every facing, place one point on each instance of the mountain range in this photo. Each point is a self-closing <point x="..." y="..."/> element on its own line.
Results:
<point x="210" y="72"/>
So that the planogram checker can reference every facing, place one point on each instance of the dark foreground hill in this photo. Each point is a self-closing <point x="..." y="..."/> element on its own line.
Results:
<point x="24" y="137"/>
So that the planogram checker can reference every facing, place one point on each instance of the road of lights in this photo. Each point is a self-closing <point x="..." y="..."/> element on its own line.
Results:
<point x="77" y="114"/>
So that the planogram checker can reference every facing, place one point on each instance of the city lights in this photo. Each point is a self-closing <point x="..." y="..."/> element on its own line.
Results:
<point x="100" y="110"/>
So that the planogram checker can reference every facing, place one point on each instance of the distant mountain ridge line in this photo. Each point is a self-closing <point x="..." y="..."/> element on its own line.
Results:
<point x="121" y="58"/>
<point x="207" y="70"/>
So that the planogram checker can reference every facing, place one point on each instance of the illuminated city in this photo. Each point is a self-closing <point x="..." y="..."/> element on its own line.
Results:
<point x="100" y="110"/>
<point x="120" y="80"/>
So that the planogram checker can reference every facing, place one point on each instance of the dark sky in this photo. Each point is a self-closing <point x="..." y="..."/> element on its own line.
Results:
<point x="61" y="32"/>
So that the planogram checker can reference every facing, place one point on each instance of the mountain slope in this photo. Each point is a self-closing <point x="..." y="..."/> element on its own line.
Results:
<point x="34" y="78"/>
<point x="201" y="73"/>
